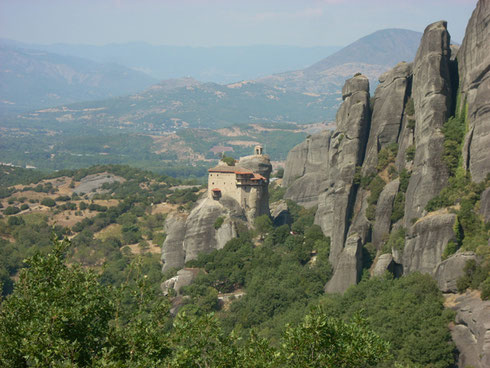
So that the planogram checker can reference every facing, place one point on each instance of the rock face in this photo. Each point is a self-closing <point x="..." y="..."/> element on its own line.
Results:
<point x="384" y="208"/>
<point x="474" y="73"/>
<point x="431" y="93"/>
<point x="280" y="214"/>
<point x="306" y="169"/>
<point x="349" y="267"/>
<point x="347" y="146"/>
<point x="485" y="205"/>
<point x="471" y="332"/>
<point x="383" y="263"/>
<point x="450" y="270"/>
<point x="389" y="105"/>
<point x="426" y="241"/>
<point x="173" y="255"/>
<point x="187" y="237"/>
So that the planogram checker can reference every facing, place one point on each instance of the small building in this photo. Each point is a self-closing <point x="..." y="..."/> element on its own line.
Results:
<point x="239" y="183"/>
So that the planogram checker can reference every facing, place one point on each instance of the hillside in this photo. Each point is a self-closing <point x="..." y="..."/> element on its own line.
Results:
<point x="182" y="103"/>
<point x="32" y="79"/>
<point x="371" y="55"/>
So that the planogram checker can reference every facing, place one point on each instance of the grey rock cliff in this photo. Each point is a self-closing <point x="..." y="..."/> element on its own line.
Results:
<point x="306" y="168"/>
<point x="450" y="270"/>
<point x="187" y="237"/>
<point x="349" y="267"/>
<point x="384" y="208"/>
<point x="347" y="146"/>
<point x="425" y="242"/>
<point x="382" y="264"/>
<point x="431" y="92"/>
<point x="389" y="105"/>
<point x="173" y="255"/>
<point x="474" y="74"/>
<point x="485" y="205"/>
<point x="471" y="332"/>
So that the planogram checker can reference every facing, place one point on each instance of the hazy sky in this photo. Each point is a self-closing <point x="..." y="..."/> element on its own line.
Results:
<point x="222" y="22"/>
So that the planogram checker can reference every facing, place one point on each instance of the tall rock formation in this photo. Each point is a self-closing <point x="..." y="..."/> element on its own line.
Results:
<point x="431" y="93"/>
<point x="198" y="232"/>
<point x="474" y="74"/>
<point x="346" y="152"/>
<point x="388" y="111"/>
<point x="306" y="168"/>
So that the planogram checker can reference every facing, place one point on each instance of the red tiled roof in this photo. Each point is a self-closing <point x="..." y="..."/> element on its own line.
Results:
<point x="215" y="190"/>
<point x="230" y="169"/>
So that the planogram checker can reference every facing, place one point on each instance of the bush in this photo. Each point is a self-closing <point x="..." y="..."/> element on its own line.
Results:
<point x="48" y="202"/>
<point x="398" y="207"/>
<point x="454" y="132"/>
<point x="386" y="156"/>
<point x="230" y="161"/>
<point x="410" y="153"/>
<point x="219" y="221"/>
<point x="24" y="207"/>
<point x="410" y="107"/>
<point x="11" y="210"/>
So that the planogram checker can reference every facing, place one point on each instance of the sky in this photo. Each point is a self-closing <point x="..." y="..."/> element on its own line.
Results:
<point x="222" y="22"/>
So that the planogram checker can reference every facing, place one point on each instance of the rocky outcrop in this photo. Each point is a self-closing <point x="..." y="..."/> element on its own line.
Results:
<point x="183" y="278"/>
<point x="471" y="330"/>
<point x="187" y="237"/>
<point x="280" y="213"/>
<point x="426" y="241"/>
<point x="384" y="208"/>
<point x="173" y="255"/>
<point x="389" y="105"/>
<point x="306" y="169"/>
<point x="349" y="267"/>
<point x="431" y="92"/>
<point x="347" y="145"/>
<point x="474" y="74"/>
<point x="382" y="264"/>
<point x="450" y="270"/>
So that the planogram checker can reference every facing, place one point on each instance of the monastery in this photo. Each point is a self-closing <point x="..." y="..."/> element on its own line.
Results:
<point x="241" y="184"/>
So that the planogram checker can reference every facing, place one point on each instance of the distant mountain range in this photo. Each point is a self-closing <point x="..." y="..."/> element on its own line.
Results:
<point x="32" y="79"/>
<point x="225" y="64"/>
<point x="305" y="96"/>
<point x="371" y="55"/>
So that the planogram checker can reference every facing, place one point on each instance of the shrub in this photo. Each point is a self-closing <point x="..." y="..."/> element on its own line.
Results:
<point x="230" y="161"/>
<point x="398" y="207"/>
<point x="387" y="155"/>
<point x="410" y="153"/>
<point x="24" y="207"/>
<point x="454" y="132"/>
<point x="219" y="221"/>
<point x="11" y="210"/>
<point x="410" y="107"/>
<point x="48" y="202"/>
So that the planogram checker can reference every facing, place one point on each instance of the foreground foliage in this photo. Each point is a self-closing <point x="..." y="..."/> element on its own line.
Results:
<point x="62" y="316"/>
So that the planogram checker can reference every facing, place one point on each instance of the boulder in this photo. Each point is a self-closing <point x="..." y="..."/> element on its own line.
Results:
<point x="431" y="92"/>
<point x="183" y="278"/>
<point x="382" y="264"/>
<point x="471" y="330"/>
<point x="474" y="75"/>
<point x="384" y="208"/>
<point x="426" y="241"/>
<point x="450" y="270"/>
<point x="280" y="213"/>
<point x="349" y="267"/>
<point x="347" y="146"/>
